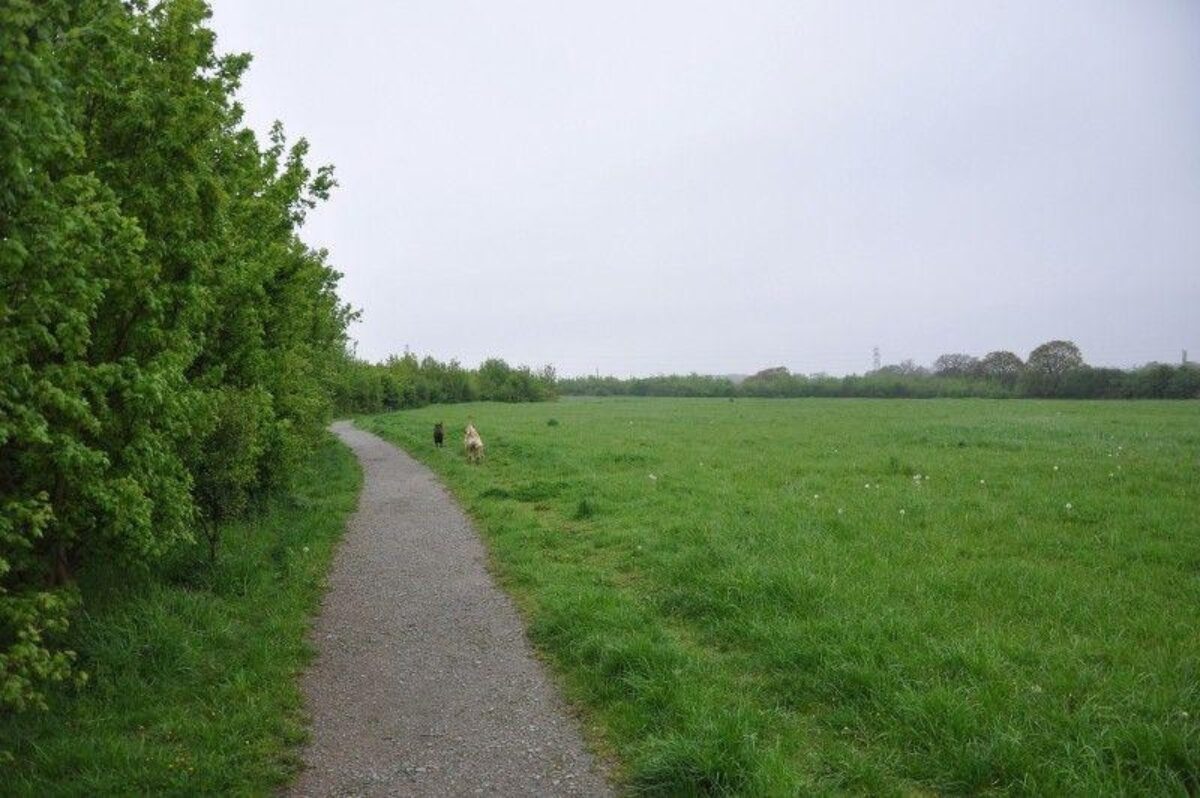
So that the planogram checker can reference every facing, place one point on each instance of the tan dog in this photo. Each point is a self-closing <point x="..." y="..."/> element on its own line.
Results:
<point x="473" y="444"/>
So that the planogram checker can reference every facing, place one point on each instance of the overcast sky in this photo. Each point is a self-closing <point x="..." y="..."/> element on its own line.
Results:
<point x="644" y="187"/>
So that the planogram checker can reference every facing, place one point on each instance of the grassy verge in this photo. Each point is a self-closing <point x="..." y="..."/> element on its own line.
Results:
<point x="884" y="597"/>
<point x="193" y="686"/>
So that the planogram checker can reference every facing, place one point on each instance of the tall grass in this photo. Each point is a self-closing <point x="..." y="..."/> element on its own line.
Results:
<point x="885" y="597"/>
<point x="193" y="676"/>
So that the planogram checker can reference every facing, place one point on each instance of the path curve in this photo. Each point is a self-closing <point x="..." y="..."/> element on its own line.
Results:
<point x="424" y="682"/>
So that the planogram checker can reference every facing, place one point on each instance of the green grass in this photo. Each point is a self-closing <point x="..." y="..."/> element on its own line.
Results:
<point x="738" y="612"/>
<point x="193" y="675"/>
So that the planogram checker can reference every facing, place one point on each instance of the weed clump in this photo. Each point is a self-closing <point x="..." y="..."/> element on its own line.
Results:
<point x="495" y="493"/>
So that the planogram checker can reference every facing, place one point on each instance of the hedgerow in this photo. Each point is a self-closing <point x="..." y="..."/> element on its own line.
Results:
<point x="166" y="340"/>
<point x="403" y="383"/>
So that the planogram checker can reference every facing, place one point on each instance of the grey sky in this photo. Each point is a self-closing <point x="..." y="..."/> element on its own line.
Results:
<point x="645" y="187"/>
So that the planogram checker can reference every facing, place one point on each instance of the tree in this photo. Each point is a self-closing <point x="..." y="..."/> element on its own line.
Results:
<point x="1055" y="358"/>
<point x="905" y="368"/>
<point x="228" y="456"/>
<point x="167" y="340"/>
<point x="955" y="365"/>
<point x="62" y="237"/>
<point x="1001" y="366"/>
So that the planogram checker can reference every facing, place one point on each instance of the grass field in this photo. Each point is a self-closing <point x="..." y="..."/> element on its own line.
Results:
<point x="192" y="686"/>
<point x="889" y="597"/>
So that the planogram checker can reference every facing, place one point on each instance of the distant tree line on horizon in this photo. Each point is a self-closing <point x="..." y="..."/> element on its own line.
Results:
<point x="404" y="382"/>
<point x="1055" y="369"/>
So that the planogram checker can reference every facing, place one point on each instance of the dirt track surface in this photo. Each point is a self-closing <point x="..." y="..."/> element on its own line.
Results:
<point x="424" y="682"/>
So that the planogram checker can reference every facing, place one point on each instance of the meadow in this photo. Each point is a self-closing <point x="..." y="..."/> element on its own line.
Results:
<point x="774" y="597"/>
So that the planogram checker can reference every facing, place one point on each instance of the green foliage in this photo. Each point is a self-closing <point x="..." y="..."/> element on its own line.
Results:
<point x="1001" y="366"/>
<point x="229" y="453"/>
<point x="1053" y="370"/>
<point x="836" y="597"/>
<point x="404" y="382"/>
<point x="1054" y="358"/>
<point x="193" y="688"/>
<point x="1056" y="370"/>
<point x="165" y="338"/>
<point x="28" y="618"/>
<point x="956" y="365"/>
<point x="667" y="385"/>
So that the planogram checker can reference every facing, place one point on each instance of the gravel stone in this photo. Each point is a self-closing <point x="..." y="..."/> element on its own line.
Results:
<point x="424" y="682"/>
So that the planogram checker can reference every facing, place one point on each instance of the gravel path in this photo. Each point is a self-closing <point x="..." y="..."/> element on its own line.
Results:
<point x="424" y="682"/>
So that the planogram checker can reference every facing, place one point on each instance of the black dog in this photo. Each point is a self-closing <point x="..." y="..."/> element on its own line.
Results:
<point x="438" y="435"/>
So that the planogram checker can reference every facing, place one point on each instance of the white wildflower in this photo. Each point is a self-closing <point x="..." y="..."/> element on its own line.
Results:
<point x="1056" y="468"/>
<point x="901" y="511"/>
<point x="653" y="478"/>
<point x="1069" y="506"/>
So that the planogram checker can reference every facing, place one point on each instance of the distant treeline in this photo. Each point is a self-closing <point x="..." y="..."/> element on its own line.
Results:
<point x="1054" y="370"/>
<point x="405" y="382"/>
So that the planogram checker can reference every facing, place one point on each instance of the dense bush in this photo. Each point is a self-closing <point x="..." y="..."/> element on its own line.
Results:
<point x="405" y="382"/>
<point x="166" y="340"/>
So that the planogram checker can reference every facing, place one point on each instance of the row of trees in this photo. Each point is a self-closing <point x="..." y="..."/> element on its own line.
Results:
<point x="1055" y="369"/>
<point x="167" y="343"/>
<point x="406" y="382"/>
